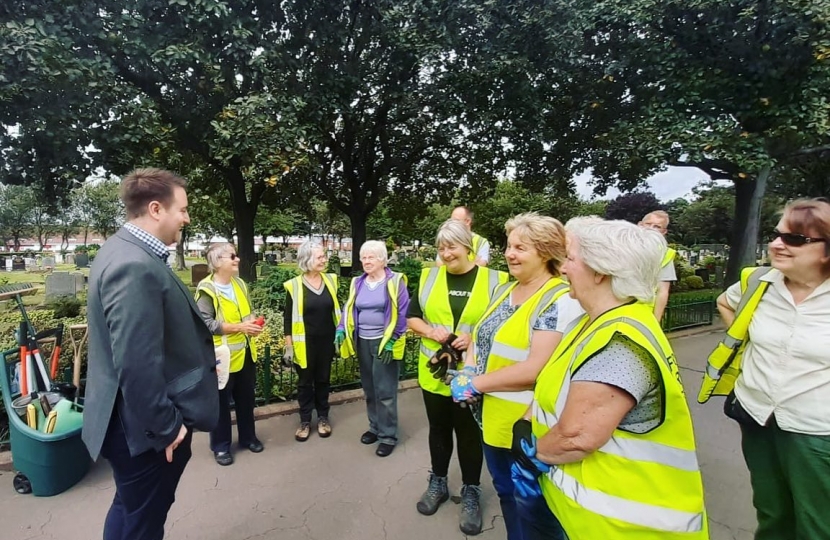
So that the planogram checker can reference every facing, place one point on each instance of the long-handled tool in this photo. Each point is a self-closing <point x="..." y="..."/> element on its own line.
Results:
<point x="27" y="338"/>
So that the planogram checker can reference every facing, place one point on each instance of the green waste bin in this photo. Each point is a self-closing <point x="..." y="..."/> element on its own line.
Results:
<point x="48" y="463"/>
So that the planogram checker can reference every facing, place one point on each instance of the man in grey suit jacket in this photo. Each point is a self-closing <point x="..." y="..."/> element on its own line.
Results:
<point x="152" y="368"/>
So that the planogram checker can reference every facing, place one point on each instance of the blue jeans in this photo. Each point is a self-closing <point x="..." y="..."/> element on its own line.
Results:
<point x="524" y="519"/>
<point x="380" y="385"/>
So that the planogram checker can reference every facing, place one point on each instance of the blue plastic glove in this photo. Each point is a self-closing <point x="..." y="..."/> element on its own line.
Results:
<point x="524" y="482"/>
<point x="385" y="356"/>
<point x="462" y="386"/>
<point x="339" y="338"/>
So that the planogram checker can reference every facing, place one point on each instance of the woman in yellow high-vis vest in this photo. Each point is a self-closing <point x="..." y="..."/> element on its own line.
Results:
<point x="223" y="299"/>
<point x="511" y="343"/>
<point x="372" y="328"/>
<point x="609" y="440"/>
<point x="311" y="316"/>
<point x="450" y="301"/>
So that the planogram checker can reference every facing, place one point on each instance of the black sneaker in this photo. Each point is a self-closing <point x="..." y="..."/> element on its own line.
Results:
<point x="435" y="494"/>
<point x="369" y="438"/>
<point x="223" y="458"/>
<point x="384" y="449"/>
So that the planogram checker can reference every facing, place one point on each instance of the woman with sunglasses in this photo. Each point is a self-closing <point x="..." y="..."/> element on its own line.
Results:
<point x="782" y="395"/>
<point x="223" y="299"/>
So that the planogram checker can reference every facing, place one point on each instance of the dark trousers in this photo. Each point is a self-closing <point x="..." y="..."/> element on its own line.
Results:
<point x="790" y="477"/>
<point x="242" y="386"/>
<point x="314" y="382"/>
<point x="445" y="417"/>
<point x="380" y="386"/>
<point x="145" y="486"/>
<point x="537" y="520"/>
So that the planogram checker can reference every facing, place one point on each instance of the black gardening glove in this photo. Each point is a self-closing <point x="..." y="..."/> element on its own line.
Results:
<point x="523" y="431"/>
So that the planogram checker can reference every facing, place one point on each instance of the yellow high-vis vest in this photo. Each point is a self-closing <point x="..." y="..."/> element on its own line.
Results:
<point x="478" y="242"/>
<point x="668" y="259"/>
<point x="511" y="344"/>
<point x="433" y="297"/>
<point x="724" y="363"/>
<point x="637" y="486"/>
<point x="233" y="313"/>
<point x="393" y="285"/>
<point x="294" y="287"/>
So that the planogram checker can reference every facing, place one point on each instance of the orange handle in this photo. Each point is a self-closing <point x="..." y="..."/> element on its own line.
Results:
<point x="24" y="376"/>
<point x="56" y="355"/>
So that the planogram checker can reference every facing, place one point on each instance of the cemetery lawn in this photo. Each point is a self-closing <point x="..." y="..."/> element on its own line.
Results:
<point x="38" y="279"/>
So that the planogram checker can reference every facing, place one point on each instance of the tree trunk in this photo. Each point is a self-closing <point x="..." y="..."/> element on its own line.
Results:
<point x="180" y="264"/>
<point x="244" y="215"/>
<point x="357" y="217"/>
<point x="86" y="234"/>
<point x="748" y="197"/>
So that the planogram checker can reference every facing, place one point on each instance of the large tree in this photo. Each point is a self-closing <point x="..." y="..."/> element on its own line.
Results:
<point x="736" y="88"/>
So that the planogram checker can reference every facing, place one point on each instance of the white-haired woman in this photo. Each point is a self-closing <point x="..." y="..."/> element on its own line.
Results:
<point x="451" y="299"/>
<point x="312" y="313"/>
<point x="223" y="299"/>
<point x="373" y="327"/>
<point x="612" y="448"/>
<point x="511" y="343"/>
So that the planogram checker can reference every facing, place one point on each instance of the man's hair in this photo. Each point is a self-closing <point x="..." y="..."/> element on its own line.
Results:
<point x="662" y="214"/>
<point x="143" y="186"/>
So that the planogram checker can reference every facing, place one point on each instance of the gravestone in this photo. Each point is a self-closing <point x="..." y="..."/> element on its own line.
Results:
<point x="48" y="262"/>
<point x="8" y="264"/>
<point x="69" y="258"/>
<point x="198" y="272"/>
<point x="29" y="263"/>
<point x="18" y="263"/>
<point x="60" y="284"/>
<point x="81" y="260"/>
<point x="80" y="281"/>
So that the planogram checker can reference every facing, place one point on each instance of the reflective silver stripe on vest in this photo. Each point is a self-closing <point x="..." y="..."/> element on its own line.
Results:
<point x="637" y="513"/>
<point x="432" y="277"/>
<point x="545" y="301"/>
<point x="525" y="397"/>
<point x="516" y="354"/>
<point x="712" y="371"/>
<point x="298" y="338"/>
<point x="238" y="346"/>
<point x="731" y="342"/>
<point x="465" y="328"/>
<point x="652" y="452"/>
<point x="427" y="351"/>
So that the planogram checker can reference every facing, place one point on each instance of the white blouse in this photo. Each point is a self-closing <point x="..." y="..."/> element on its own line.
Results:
<point x="786" y="364"/>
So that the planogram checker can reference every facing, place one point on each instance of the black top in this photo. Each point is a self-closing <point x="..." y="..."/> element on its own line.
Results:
<point x="317" y="313"/>
<point x="460" y="288"/>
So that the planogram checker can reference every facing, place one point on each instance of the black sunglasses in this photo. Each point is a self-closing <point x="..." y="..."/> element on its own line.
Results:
<point x="232" y="256"/>
<point x="794" y="240"/>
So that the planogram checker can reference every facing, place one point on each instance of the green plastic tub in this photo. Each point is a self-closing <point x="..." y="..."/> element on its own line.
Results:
<point x="49" y="463"/>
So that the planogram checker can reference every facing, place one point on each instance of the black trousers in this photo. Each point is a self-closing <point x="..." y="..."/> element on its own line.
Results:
<point x="445" y="417"/>
<point x="242" y="386"/>
<point x="145" y="486"/>
<point x="314" y="381"/>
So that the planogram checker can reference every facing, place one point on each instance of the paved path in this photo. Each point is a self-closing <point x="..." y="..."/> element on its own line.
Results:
<point x="337" y="489"/>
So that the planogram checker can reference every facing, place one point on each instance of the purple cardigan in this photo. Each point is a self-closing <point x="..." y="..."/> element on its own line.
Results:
<point x="403" y="306"/>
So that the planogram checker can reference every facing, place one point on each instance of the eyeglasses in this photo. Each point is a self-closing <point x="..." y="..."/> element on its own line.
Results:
<point x="794" y="240"/>
<point x="232" y="256"/>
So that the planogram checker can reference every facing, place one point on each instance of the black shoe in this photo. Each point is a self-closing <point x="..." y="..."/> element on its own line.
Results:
<point x="223" y="458"/>
<point x="369" y="438"/>
<point x="384" y="449"/>
<point x="255" y="447"/>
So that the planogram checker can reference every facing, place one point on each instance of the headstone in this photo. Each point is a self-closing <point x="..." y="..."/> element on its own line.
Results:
<point x="198" y="272"/>
<point x="18" y="263"/>
<point x="48" y="262"/>
<point x="265" y="270"/>
<point x="29" y="263"/>
<point x="60" y="284"/>
<point x="80" y="281"/>
<point x="81" y="260"/>
<point x="69" y="258"/>
<point x="8" y="264"/>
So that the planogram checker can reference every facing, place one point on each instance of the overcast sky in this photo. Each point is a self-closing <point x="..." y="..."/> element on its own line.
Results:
<point x="670" y="184"/>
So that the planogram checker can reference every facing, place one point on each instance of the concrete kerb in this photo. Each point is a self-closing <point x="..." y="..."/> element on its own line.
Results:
<point x="348" y="396"/>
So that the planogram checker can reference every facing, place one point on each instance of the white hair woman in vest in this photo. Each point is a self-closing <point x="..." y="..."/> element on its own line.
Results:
<point x="223" y="299"/>
<point x="511" y="343"/>
<point x="612" y="448"/>
<point x="311" y="316"/>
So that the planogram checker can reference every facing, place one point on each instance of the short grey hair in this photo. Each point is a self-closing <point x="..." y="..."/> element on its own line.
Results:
<point x="216" y="251"/>
<point x="376" y="248"/>
<point x="630" y="255"/>
<point x="454" y="232"/>
<point x="305" y="253"/>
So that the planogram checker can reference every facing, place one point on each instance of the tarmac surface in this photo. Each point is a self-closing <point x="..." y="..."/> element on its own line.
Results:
<point x="337" y="488"/>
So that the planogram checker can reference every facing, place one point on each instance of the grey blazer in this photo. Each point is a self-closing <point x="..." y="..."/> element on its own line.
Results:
<point x="150" y="353"/>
